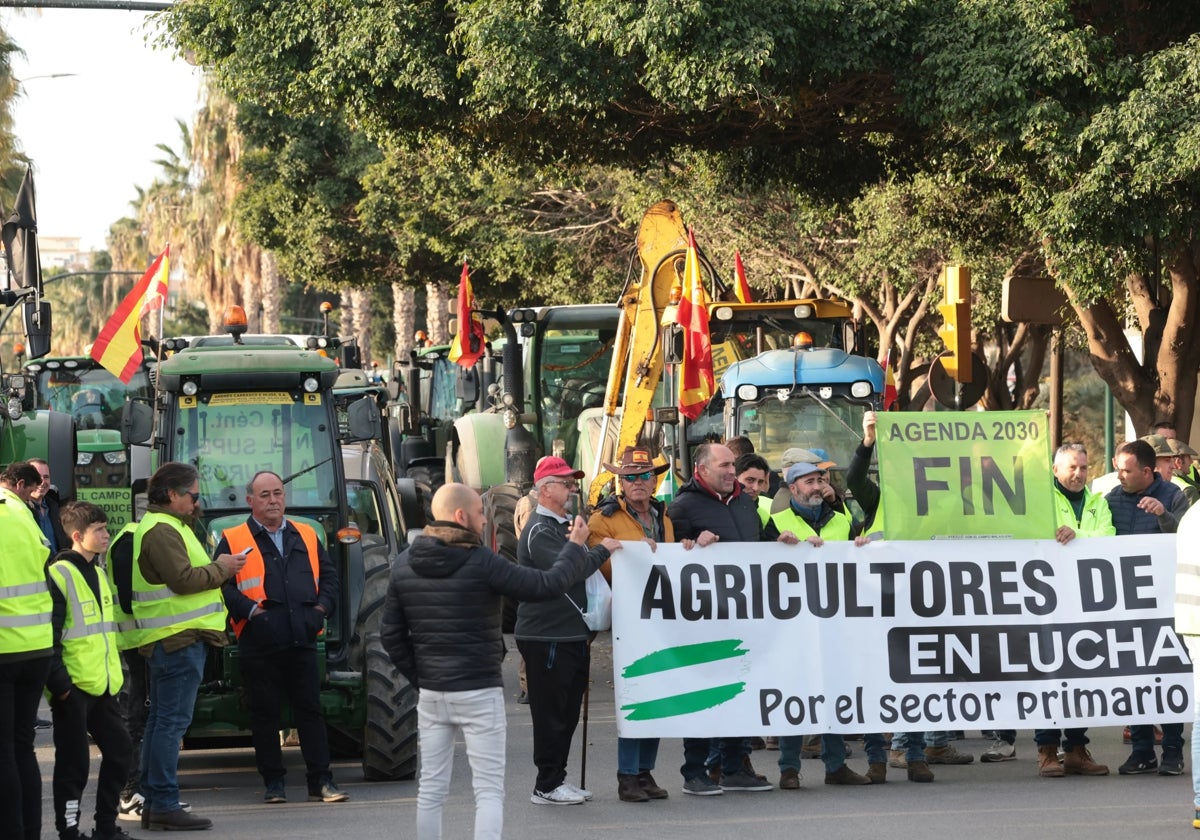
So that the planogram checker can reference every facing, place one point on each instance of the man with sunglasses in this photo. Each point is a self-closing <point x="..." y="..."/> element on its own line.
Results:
<point x="179" y="612"/>
<point x="552" y="636"/>
<point x="634" y="514"/>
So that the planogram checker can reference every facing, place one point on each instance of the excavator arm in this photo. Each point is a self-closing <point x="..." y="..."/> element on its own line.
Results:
<point x="637" y="361"/>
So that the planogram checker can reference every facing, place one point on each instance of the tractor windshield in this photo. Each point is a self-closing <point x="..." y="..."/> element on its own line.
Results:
<point x="573" y="371"/>
<point x="92" y="395"/>
<point x="231" y="436"/>
<point x="830" y="428"/>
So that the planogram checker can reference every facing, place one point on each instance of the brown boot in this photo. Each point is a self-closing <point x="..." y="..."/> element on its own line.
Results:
<point x="628" y="789"/>
<point x="877" y="772"/>
<point x="918" y="771"/>
<point x="845" y="776"/>
<point x="1078" y="762"/>
<point x="1048" y="766"/>
<point x="650" y="786"/>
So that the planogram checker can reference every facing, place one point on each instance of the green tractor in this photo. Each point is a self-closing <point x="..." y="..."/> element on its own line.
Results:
<point x="80" y="387"/>
<point x="233" y="405"/>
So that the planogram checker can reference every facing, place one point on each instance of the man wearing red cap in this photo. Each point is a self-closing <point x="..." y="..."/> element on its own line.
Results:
<point x="553" y="637"/>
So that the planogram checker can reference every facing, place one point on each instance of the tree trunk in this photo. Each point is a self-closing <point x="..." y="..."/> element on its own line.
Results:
<point x="436" y="314"/>
<point x="361" y="298"/>
<point x="346" y="313"/>
<point x="404" y="318"/>
<point x="271" y="293"/>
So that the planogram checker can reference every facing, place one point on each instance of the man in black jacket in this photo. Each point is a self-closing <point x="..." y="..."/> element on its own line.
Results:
<point x="712" y="507"/>
<point x="441" y="627"/>
<point x="278" y="603"/>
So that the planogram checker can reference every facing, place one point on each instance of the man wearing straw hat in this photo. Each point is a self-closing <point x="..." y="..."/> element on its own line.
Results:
<point x="634" y="514"/>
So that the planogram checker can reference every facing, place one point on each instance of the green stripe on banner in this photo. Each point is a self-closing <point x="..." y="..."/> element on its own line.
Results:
<point x="683" y="656"/>
<point x="683" y="704"/>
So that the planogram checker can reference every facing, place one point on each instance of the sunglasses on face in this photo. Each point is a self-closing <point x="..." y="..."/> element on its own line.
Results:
<point x="646" y="476"/>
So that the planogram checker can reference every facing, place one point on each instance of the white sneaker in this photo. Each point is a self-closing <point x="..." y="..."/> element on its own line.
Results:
<point x="130" y="810"/>
<point x="561" y="795"/>
<point x="999" y="751"/>
<point x="584" y="792"/>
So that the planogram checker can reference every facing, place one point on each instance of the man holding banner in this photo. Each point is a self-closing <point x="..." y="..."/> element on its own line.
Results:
<point x="1145" y="504"/>
<point x="711" y="508"/>
<point x="807" y="517"/>
<point x="1080" y="513"/>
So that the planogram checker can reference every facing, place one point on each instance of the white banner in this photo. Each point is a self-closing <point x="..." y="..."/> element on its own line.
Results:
<point x="769" y="639"/>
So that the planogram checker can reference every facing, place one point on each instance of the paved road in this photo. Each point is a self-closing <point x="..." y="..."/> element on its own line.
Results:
<point x="977" y="801"/>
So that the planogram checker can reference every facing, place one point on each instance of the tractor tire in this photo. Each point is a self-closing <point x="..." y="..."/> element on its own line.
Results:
<point x="500" y="507"/>
<point x="390" y="735"/>
<point x="429" y="478"/>
<point x="377" y="572"/>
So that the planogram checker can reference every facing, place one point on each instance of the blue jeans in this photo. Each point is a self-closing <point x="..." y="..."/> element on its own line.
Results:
<point x="696" y="753"/>
<point x="833" y="751"/>
<point x="635" y="755"/>
<point x="1141" y="738"/>
<point x="1069" y="737"/>
<point x="174" y="681"/>
<point x="914" y="743"/>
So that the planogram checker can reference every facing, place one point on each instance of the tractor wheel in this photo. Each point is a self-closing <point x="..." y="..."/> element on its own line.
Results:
<point x="390" y="734"/>
<point x="377" y="572"/>
<point x="500" y="506"/>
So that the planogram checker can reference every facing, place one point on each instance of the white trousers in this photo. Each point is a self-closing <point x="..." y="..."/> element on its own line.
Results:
<point x="480" y="716"/>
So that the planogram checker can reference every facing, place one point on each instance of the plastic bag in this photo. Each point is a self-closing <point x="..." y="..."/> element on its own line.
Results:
<point x="598" y="615"/>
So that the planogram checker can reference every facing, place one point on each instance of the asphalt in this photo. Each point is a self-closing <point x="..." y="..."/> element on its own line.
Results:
<point x="977" y="801"/>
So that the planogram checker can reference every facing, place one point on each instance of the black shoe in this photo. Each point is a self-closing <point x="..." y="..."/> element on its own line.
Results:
<point x="276" y="793"/>
<point x="178" y="820"/>
<point x="1172" y="764"/>
<point x="42" y="723"/>
<point x="117" y="833"/>
<point x="523" y="698"/>
<point x="327" y="792"/>
<point x="1139" y="764"/>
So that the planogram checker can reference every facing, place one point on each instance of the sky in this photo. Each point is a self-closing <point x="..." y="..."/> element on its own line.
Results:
<point x="92" y="135"/>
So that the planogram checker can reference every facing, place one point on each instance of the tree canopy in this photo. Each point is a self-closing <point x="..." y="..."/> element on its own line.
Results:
<point x="854" y="145"/>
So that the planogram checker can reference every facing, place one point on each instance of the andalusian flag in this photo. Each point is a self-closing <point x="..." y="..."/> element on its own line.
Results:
<point x="467" y="346"/>
<point x="696" y="369"/>
<point x="741" y="287"/>
<point x="119" y="347"/>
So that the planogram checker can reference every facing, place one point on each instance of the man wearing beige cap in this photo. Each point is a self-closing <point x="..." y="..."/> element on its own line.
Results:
<point x="1181" y="469"/>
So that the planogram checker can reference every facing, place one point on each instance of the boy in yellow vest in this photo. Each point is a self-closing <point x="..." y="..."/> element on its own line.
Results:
<point x="85" y="678"/>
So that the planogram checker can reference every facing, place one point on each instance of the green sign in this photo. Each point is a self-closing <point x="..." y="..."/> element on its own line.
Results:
<point x="978" y="474"/>
<point x="117" y="502"/>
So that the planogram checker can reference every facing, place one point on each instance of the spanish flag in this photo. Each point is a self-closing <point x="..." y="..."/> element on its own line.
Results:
<point x="696" y="369"/>
<point x="889" y="382"/>
<point x="741" y="287"/>
<point x="467" y="346"/>
<point x="119" y="347"/>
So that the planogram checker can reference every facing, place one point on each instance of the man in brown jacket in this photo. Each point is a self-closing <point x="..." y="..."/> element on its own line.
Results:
<point x="179" y="611"/>
<point x="634" y="514"/>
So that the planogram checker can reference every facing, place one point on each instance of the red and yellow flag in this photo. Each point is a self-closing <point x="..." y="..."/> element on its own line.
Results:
<point x="119" y="347"/>
<point x="696" y="369"/>
<point x="741" y="287"/>
<point x="889" y="382"/>
<point x="467" y="346"/>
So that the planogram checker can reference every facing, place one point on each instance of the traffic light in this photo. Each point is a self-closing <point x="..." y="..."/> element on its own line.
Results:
<point x="955" y="330"/>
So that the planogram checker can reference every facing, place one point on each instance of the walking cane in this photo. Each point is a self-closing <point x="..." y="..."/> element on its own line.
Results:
<point x="587" y="690"/>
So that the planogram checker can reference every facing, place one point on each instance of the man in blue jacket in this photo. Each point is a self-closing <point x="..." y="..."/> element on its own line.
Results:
<point x="1145" y="504"/>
